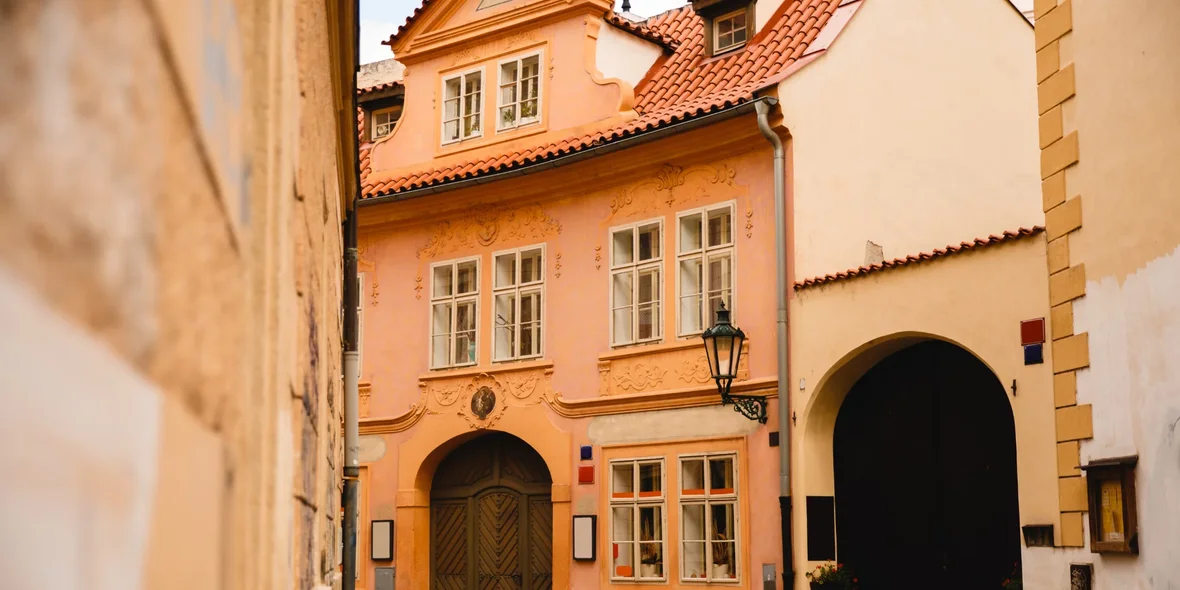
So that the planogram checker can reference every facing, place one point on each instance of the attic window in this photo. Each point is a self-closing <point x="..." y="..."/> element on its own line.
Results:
<point x="520" y="92"/>
<point x="729" y="31"/>
<point x="462" y="99"/>
<point x="383" y="120"/>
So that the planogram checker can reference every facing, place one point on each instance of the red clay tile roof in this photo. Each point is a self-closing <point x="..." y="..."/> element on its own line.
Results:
<point x="385" y="86"/>
<point x="642" y="30"/>
<point x="687" y="84"/>
<point x="1007" y="236"/>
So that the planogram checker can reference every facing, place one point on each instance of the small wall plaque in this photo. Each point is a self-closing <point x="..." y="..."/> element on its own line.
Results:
<point x="587" y="452"/>
<point x="381" y="540"/>
<point x="585" y="537"/>
<point x="1114" y="524"/>
<point x="586" y="474"/>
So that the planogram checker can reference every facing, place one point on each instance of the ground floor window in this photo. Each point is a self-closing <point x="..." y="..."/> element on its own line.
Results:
<point x="637" y="519"/>
<point x="708" y="518"/>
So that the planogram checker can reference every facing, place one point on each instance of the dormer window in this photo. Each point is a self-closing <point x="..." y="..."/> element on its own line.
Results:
<point x="729" y="31"/>
<point x="520" y="92"/>
<point x="462" y="112"/>
<point x="382" y="121"/>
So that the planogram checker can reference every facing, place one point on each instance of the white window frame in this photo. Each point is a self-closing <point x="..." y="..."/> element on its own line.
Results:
<point x="516" y="289"/>
<point x="703" y="253"/>
<point x="373" y="123"/>
<point x="454" y="299"/>
<point x="717" y="47"/>
<point x="635" y="503"/>
<point x="707" y="500"/>
<point x="519" y="121"/>
<point x="483" y="88"/>
<point x="634" y="267"/>
<point x="360" y="322"/>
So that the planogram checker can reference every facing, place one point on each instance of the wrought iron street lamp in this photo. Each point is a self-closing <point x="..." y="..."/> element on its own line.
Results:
<point x="723" y="348"/>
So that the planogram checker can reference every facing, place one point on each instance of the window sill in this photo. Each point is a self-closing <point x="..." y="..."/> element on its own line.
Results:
<point x="499" y="367"/>
<point x="485" y="140"/>
<point x="655" y="346"/>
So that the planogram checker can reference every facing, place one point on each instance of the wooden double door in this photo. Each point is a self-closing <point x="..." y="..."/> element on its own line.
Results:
<point x="491" y="518"/>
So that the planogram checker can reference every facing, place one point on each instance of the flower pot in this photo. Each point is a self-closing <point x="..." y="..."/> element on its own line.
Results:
<point x="720" y="571"/>
<point x="828" y="586"/>
<point x="649" y="570"/>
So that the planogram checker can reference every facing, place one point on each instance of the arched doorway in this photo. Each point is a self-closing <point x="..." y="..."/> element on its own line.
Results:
<point x="491" y="518"/>
<point x="925" y="473"/>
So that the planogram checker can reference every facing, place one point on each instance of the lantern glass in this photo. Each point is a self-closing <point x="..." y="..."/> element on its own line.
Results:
<point x="723" y="348"/>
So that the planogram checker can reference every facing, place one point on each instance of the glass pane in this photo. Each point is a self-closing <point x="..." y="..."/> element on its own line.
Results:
<point x="623" y="545"/>
<point x="721" y="475"/>
<point x="724" y="26"/>
<point x="651" y="546"/>
<point x="650" y="480"/>
<point x="649" y="242"/>
<point x="451" y="109"/>
<point x="440" y="331"/>
<point x="507" y="73"/>
<point x="739" y="21"/>
<point x="531" y="65"/>
<point x="474" y="82"/>
<point x="465" y="332"/>
<point x="622" y="480"/>
<point x="649" y="285"/>
<point x="508" y="116"/>
<point x="649" y="321"/>
<point x="451" y="131"/>
<point x="470" y="125"/>
<point x="692" y="478"/>
<point x="723" y="546"/>
<point x="452" y="90"/>
<point x="528" y="109"/>
<point x="621" y="291"/>
<point x="505" y="326"/>
<point x="442" y="283"/>
<point x="623" y="331"/>
<point x="692" y="523"/>
<point x="739" y="36"/>
<point x="530" y="323"/>
<point x="468" y="279"/>
<point x="694" y="555"/>
<point x="623" y="247"/>
<point x="690" y="296"/>
<point x="505" y="270"/>
<point x="530" y="266"/>
<point x="690" y="233"/>
<point x="720" y="227"/>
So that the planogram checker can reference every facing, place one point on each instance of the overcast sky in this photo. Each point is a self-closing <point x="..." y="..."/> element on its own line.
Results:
<point x="380" y="18"/>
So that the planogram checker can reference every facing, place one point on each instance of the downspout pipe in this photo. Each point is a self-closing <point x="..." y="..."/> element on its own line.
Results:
<point x="351" y="355"/>
<point x="784" y="412"/>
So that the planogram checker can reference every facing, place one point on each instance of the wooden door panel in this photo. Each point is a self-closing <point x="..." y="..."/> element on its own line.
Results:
<point x="540" y="544"/>
<point x="450" y="545"/>
<point x="498" y="542"/>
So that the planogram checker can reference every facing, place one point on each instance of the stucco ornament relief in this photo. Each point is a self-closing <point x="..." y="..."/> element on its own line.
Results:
<point x="557" y="266"/>
<point x="482" y="399"/>
<point x="364" y="392"/>
<point x="597" y="257"/>
<point x="673" y="187"/>
<point x="484" y="225"/>
<point x="749" y="222"/>
<point x="418" y="287"/>
<point x="367" y="266"/>
<point x="639" y="377"/>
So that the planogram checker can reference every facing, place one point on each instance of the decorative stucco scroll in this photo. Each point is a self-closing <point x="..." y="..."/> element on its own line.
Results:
<point x="484" y="225"/>
<point x="365" y="265"/>
<point x="481" y="398"/>
<point x="673" y="187"/>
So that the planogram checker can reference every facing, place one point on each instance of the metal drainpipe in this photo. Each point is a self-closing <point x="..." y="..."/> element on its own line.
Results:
<point x="351" y="302"/>
<point x="784" y="411"/>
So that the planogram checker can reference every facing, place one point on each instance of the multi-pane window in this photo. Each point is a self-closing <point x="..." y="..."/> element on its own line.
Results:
<point x="520" y="92"/>
<point x="637" y="519"/>
<point x="462" y="97"/>
<point x="708" y="518"/>
<point x="454" y="306"/>
<point x="636" y="286"/>
<point x="704" y="266"/>
<point x="729" y="31"/>
<point x="518" y="288"/>
<point x="383" y="122"/>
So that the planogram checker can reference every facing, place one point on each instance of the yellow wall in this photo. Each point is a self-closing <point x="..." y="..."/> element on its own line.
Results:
<point x="839" y="331"/>
<point x="913" y="132"/>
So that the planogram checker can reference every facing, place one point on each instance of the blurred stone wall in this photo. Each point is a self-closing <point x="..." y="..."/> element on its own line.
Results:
<point x="170" y="271"/>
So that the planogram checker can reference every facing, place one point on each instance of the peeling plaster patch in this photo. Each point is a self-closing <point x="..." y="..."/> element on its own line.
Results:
<point x="372" y="448"/>
<point x="82" y="429"/>
<point x="669" y="425"/>
<point x="1134" y="385"/>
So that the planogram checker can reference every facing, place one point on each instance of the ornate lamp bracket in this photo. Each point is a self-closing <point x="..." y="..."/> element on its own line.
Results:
<point x="750" y="406"/>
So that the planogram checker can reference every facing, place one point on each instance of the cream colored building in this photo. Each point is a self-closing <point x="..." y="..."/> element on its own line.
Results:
<point x="1108" y="89"/>
<point x="173" y="177"/>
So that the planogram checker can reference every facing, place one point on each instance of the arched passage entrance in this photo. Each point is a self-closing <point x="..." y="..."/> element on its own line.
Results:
<point x="491" y="517"/>
<point x="924" y="454"/>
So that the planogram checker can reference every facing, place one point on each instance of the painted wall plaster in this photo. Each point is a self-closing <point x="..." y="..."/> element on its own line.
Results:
<point x="938" y="147"/>
<point x="623" y="55"/>
<point x="669" y="425"/>
<point x="1133" y="384"/>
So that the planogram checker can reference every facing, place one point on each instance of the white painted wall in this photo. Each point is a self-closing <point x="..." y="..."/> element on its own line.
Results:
<point x="914" y="132"/>
<point x="1133" y="384"/>
<point x="623" y="55"/>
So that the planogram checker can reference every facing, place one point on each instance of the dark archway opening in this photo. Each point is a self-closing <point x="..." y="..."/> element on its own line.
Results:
<point x="925" y="470"/>
<point x="491" y="517"/>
